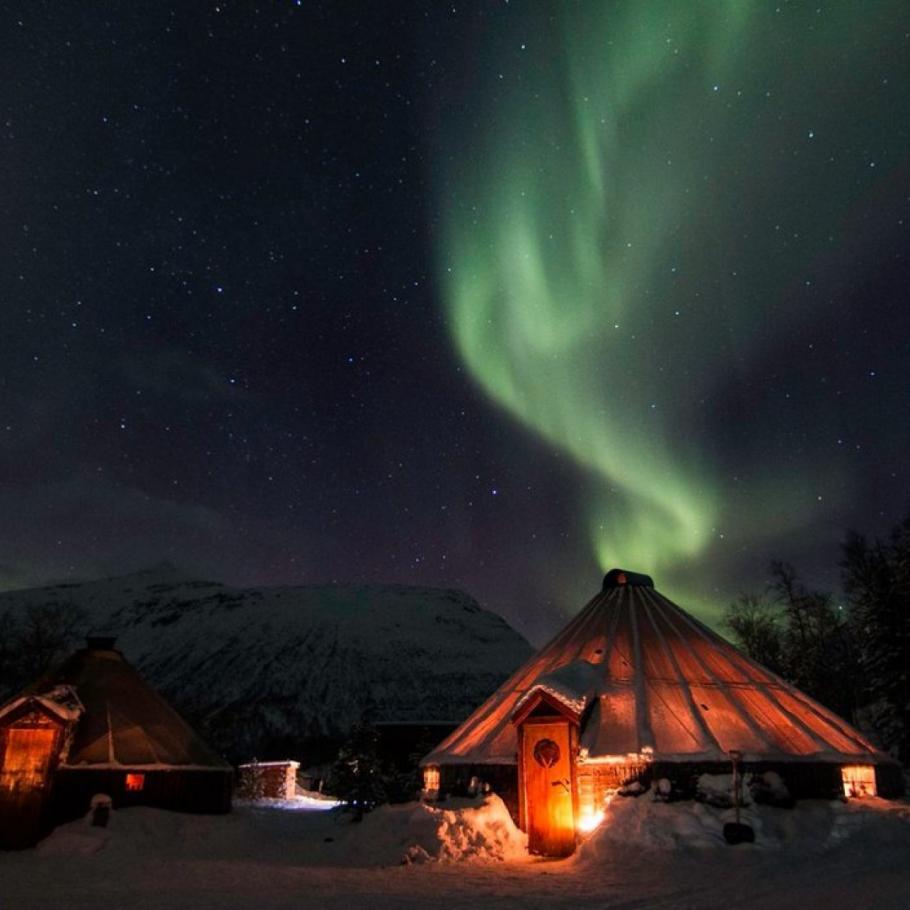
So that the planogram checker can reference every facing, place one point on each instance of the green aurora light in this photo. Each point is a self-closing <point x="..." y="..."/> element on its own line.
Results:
<point x="617" y="244"/>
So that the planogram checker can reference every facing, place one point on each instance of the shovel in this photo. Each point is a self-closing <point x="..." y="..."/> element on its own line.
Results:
<point x="737" y="832"/>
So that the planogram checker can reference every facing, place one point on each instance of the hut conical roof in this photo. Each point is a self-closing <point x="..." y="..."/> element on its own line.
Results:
<point x="125" y="723"/>
<point x="648" y="679"/>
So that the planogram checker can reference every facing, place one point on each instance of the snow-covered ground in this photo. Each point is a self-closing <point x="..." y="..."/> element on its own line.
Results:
<point x="468" y="855"/>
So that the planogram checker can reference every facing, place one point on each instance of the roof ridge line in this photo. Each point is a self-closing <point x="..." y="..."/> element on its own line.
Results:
<point x="792" y="690"/>
<point x="642" y="721"/>
<point x="111" y="755"/>
<point x="611" y="641"/>
<point x="767" y="690"/>
<point x="738" y="707"/>
<point x="680" y="679"/>
<point x="489" y="713"/>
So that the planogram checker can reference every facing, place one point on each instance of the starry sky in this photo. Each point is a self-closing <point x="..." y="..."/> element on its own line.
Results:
<point x="490" y="295"/>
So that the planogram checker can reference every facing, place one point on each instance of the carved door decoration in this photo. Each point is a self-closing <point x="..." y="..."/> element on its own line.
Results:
<point x="547" y="785"/>
<point x="546" y="753"/>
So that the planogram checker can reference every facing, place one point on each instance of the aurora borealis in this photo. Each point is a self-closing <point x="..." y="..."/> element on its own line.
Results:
<point x="660" y="201"/>
<point x="487" y="295"/>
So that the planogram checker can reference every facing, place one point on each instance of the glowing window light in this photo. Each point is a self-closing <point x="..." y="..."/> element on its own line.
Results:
<point x="431" y="778"/>
<point x="859" y="780"/>
<point x="135" y="782"/>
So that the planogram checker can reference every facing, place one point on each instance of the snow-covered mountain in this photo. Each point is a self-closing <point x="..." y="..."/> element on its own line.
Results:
<point x="260" y="666"/>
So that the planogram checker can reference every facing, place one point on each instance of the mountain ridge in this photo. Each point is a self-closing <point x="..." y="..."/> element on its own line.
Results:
<point x="256" y="667"/>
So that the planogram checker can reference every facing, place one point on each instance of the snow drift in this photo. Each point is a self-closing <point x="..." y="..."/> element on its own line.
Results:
<point x="811" y="827"/>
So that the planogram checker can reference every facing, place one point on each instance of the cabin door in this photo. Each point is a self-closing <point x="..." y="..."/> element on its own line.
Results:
<point x="548" y="784"/>
<point x="27" y="757"/>
<point x="27" y="752"/>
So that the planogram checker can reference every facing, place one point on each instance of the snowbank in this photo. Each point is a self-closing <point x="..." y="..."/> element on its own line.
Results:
<point x="302" y="831"/>
<point x="657" y="825"/>
<point x="477" y="830"/>
<point x="813" y="826"/>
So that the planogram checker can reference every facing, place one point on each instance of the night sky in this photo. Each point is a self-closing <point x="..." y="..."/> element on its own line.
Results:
<point x="489" y="295"/>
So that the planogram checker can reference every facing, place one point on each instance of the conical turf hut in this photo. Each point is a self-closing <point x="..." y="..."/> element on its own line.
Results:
<point x="94" y="726"/>
<point x="634" y="688"/>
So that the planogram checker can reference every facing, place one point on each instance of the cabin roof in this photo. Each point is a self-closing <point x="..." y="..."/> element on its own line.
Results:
<point x="124" y="721"/>
<point x="61" y="703"/>
<point x="650" y="680"/>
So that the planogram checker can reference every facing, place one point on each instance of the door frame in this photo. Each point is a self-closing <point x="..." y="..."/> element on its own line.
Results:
<point x="542" y="708"/>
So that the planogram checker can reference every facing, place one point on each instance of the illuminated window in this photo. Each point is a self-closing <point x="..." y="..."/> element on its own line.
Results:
<point x="135" y="782"/>
<point x="431" y="778"/>
<point x="859" y="780"/>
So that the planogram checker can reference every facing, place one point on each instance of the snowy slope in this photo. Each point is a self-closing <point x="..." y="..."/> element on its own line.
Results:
<point x="261" y="665"/>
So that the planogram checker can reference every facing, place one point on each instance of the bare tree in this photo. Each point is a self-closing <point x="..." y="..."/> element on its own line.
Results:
<point x="35" y="639"/>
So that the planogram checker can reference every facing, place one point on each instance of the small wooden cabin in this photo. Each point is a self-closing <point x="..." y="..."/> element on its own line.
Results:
<point x="94" y="726"/>
<point x="633" y="690"/>
<point x="268" y="780"/>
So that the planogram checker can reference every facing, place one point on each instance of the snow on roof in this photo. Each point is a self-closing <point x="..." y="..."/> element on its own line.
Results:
<point x="61" y="701"/>
<point x="661" y="685"/>
<point x="571" y="685"/>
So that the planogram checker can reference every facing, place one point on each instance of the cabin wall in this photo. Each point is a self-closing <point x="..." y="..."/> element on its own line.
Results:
<point x="455" y="780"/>
<point x="275" y="780"/>
<point x="595" y="781"/>
<point x="804" y="780"/>
<point x="202" y="792"/>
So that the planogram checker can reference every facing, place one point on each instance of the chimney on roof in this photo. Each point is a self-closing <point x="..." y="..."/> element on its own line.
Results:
<point x="620" y="578"/>
<point x="100" y="642"/>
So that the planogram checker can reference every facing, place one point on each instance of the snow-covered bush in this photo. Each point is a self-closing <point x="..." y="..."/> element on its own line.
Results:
<point x="770" y="789"/>
<point x="635" y="788"/>
<point x="480" y="830"/>
<point x="717" y="790"/>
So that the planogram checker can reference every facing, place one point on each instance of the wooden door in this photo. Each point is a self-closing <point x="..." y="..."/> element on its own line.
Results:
<point x="27" y="752"/>
<point x="27" y="757"/>
<point x="548" y="782"/>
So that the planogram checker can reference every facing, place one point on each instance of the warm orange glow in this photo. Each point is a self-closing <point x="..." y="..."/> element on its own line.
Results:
<point x="431" y="778"/>
<point x="859" y="780"/>
<point x="589" y="820"/>
<point x="660" y="680"/>
<point x="27" y="757"/>
<point x="135" y="782"/>
<point x="547" y="787"/>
